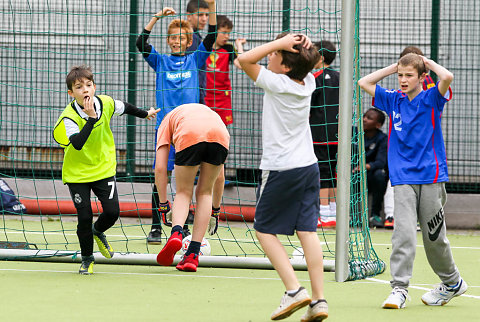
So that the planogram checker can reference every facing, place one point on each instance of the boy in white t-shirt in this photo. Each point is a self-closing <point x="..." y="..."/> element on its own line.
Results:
<point x="288" y="198"/>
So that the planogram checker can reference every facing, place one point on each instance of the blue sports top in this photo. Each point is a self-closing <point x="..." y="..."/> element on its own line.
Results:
<point x="416" y="151"/>
<point x="176" y="79"/>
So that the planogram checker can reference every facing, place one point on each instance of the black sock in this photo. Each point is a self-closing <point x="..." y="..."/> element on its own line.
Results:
<point x="178" y="229"/>
<point x="313" y="303"/>
<point x="215" y="209"/>
<point x="194" y="247"/>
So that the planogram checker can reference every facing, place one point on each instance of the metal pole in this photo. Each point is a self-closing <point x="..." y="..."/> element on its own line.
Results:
<point x="132" y="82"/>
<point x="344" y="139"/>
<point x="434" y="41"/>
<point x="149" y="259"/>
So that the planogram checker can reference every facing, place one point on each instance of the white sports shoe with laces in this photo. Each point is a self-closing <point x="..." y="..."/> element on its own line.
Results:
<point x="396" y="299"/>
<point x="291" y="303"/>
<point x="443" y="293"/>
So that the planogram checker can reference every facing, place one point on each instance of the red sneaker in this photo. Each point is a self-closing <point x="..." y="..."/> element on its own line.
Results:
<point x="326" y="224"/>
<point x="388" y="223"/>
<point x="167" y="254"/>
<point x="188" y="263"/>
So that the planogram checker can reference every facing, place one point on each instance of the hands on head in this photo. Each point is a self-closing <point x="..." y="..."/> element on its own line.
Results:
<point x="291" y="40"/>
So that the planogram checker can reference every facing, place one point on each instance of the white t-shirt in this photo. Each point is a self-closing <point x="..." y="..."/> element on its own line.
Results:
<point x="286" y="137"/>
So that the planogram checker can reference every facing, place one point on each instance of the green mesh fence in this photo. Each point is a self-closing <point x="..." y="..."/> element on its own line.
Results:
<point x="41" y="40"/>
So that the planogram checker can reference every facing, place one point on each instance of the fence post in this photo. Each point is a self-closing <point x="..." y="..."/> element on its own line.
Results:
<point x="132" y="83"/>
<point x="434" y="34"/>
<point x="286" y="15"/>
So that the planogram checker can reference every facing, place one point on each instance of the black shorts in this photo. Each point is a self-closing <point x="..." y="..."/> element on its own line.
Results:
<point x="213" y="153"/>
<point x="288" y="201"/>
<point x="327" y="164"/>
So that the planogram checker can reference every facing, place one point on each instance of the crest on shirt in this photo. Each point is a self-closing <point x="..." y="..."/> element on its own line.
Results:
<point x="77" y="198"/>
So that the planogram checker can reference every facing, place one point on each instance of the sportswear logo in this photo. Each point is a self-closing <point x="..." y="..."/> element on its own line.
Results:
<point x="327" y="76"/>
<point x="178" y="75"/>
<point x="397" y="124"/>
<point x="435" y="225"/>
<point x="77" y="198"/>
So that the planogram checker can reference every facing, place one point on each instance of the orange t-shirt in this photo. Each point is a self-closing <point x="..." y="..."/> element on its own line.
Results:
<point x="190" y="124"/>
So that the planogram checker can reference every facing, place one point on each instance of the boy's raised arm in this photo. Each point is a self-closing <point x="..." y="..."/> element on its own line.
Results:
<point x="446" y="77"/>
<point x="167" y="11"/>
<point x="368" y="83"/>
<point x="249" y="60"/>
<point x="212" y="16"/>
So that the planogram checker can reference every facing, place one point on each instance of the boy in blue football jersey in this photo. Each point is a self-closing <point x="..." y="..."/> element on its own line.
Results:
<point x="176" y="82"/>
<point x="418" y="171"/>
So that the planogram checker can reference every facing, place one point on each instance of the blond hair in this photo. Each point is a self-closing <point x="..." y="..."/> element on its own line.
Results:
<point x="184" y="25"/>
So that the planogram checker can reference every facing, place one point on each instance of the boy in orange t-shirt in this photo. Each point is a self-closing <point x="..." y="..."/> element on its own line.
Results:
<point x="201" y="141"/>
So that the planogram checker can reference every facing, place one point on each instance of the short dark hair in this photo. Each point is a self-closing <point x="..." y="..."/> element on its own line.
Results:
<point x="77" y="73"/>
<point x="411" y="49"/>
<point x="224" y="22"/>
<point x="194" y="5"/>
<point x="300" y="63"/>
<point x="380" y="115"/>
<point x="327" y="50"/>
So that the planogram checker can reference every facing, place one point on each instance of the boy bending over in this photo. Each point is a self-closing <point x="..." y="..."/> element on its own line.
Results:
<point x="288" y="198"/>
<point x="201" y="142"/>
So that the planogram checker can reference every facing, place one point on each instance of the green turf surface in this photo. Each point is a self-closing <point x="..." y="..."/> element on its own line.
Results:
<point x="55" y="292"/>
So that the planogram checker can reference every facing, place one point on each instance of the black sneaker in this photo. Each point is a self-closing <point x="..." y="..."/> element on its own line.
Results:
<point x="155" y="237"/>
<point x="87" y="265"/>
<point x="376" y="221"/>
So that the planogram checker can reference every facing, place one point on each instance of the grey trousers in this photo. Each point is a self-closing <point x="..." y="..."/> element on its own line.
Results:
<point x="423" y="202"/>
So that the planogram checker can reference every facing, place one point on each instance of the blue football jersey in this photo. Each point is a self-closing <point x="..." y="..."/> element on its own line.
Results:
<point x="176" y="79"/>
<point x="416" y="150"/>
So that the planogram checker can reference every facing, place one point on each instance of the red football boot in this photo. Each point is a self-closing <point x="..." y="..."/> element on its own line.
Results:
<point x="188" y="263"/>
<point x="167" y="254"/>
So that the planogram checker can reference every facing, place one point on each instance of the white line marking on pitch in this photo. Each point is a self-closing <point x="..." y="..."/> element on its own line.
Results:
<point x="419" y="287"/>
<point x="141" y="274"/>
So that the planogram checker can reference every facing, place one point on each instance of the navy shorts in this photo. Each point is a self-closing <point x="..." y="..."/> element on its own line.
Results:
<point x="209" y="152"/>
<point x="288" y="201"/>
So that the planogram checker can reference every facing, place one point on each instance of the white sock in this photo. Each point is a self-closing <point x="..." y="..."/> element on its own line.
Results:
<point x="324" y="212"/>
<point x="333" y="208"/>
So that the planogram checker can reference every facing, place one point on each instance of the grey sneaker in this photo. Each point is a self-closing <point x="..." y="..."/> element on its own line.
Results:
<point x="317" y="312"/>
<point x="103" y="245"/>
<point x="291" y="303"/>
<point x="396" y="299"/>
<point x="87" y="265"/>
<point x="154" y="237"/>
<point x="442" y="294"/>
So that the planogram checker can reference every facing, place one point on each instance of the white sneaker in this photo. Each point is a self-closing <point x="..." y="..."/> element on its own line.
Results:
<point x="396" y="299"/>
<point x="291" y="303"/>
<point x="318" y="312"/>
<point x="442" y="294"/>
